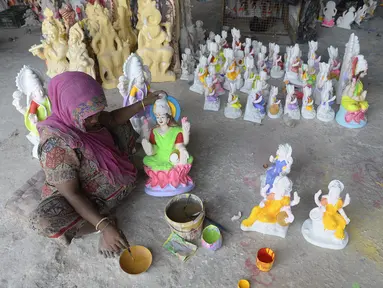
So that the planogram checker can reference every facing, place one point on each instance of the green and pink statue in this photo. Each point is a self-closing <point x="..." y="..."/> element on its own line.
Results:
<point x="167" y="162"/>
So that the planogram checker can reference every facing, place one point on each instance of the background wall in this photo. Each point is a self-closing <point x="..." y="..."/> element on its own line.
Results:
<point x="210" y="12"/>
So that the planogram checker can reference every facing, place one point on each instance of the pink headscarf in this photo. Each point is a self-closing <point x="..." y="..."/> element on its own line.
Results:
<point x="74" y="97"/>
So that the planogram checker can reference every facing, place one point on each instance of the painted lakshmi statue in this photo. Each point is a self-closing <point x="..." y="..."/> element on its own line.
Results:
<point x="167" y="162"/>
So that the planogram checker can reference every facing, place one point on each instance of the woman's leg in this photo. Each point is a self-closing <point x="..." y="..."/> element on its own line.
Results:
<point x="55" y="218"/>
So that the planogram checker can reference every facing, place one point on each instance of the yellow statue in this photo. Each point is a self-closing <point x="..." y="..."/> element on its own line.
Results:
<point x="153" y="44"/>
<point x="123" y="24"/>
<point x="273" y="215"/>
<point x="141" y="5"/>
<point x="326" y="226"/>
<point x="54" y="47"/>
<point x="111" y="51"/>
<point x="78" y="57"/>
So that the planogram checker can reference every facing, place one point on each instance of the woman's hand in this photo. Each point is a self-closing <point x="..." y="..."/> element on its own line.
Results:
<point x="152" y="97"/>
<point x="114" y="239"/>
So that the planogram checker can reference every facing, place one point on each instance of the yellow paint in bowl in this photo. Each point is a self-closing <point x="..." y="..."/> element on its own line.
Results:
<point x="139" y="263"/>
<point x="243" y="284"/>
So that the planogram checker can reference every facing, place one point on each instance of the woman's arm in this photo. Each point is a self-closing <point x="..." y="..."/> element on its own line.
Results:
<point x="114" y="239"/>
<point x="122" y="115"/>
<point x="72" y="192"/>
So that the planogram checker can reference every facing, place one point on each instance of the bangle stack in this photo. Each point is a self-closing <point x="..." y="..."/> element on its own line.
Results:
<point x="102" y="220"/>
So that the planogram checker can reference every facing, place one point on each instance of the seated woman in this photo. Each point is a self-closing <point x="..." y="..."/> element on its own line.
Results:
<point x="86" y="174"/>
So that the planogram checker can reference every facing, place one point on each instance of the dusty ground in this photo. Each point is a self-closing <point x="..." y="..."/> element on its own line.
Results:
<point x="229" y="155"/>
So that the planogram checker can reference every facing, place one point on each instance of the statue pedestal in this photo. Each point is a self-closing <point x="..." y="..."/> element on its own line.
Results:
<point x="341" y="119"/>
<point x="232" y="113"/>
<point x="313" y="231"/>
<point x="325" y="116"/>
<point x="307" y="114"/>
<point x="246" y="88"/>
<point x="293" y="79"/>
<point x="251" y="113"/>
<point x="294" y="114"/>
<point x="275" y="116"/>
<point x="273" y="229"/>
<point x="169" y="183"/>
<point x="276" y="72"/>
<point x="212" y="105"/>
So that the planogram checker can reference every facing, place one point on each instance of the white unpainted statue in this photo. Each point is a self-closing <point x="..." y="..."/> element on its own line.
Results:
<point x="334" y="64"/>
<point x="371" y="7"/>
<point x="29" y="83"/>
<point x="249" y="75"/>
<point x="255" y="107"/>
<point x="313" y="47"/>
<point x="308" y="108"/>
<point x="134" y="87"/>
<point x="327" y="222"/>
<point x="352" y="50"/>
<point x="329" y="13"/>
<point x="200" y="32"/>
<point x="233" y="107"/>
<point x="291" y="105"/>
<point x="216" y="80"/>
<point x="277" y="66"/>
<point x="322" y="77"/>
<point x="325" y="113"/>
<point x="239" y="56"/>
<point x="236" y="44"/>
<point x="211" y="36"/>
<point x="361" y="14"/>
<point x="247" y="48"/>
<point x="274" y="106"/>
<point x="224" y="43"/>
<point x="212" y="100"/>
<point x="263" y="79"/>
<point x="200" y="74"/>
<point x="185" y="75"/>
<point x="287" y="57"/>
<point x="346" y="19"/>
<point x="256" y="47"/>
<point x="294" y="64"/>
<point x="273" y="215"/>
<point x="232" y="71"/>
<point x="190" y="60"/>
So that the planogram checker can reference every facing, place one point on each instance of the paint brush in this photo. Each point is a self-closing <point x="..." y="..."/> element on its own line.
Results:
<point x="130" y="252"/>
<point x="128" y="245"/>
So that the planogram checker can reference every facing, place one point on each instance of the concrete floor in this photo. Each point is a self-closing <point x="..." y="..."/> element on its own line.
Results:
<point x="229" y="155"/>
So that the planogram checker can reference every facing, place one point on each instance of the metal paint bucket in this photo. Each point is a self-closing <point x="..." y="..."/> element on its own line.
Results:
<point x="178" y="218"/>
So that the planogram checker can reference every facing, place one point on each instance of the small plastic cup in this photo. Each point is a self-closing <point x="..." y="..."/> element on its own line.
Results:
<point x="243" y="283"/>
<point x="211" y="238"/>
<point x="265" y="259"/>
